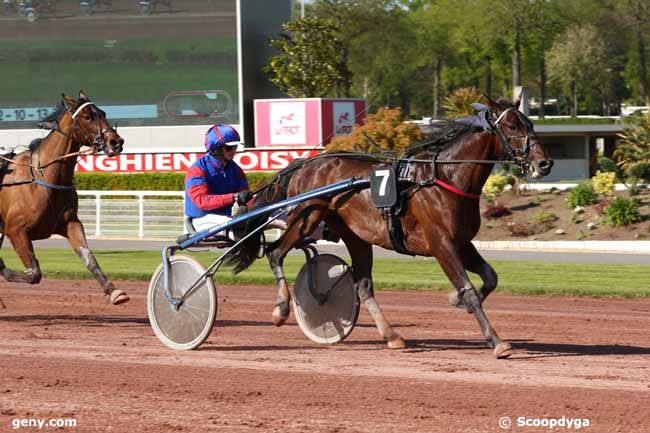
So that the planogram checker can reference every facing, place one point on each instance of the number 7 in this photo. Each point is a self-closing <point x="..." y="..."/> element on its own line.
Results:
<point x="384" y="174"/>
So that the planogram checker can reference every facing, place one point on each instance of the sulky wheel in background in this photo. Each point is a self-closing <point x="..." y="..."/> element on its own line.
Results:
<point x="325" y="301"/>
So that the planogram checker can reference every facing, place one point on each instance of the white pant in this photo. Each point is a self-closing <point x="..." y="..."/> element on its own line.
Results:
<point x="208" y="221"/>
<point x="211" y="220"/>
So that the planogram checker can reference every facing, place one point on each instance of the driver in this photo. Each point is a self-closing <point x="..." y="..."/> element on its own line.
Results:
<point x="215" y="182"/>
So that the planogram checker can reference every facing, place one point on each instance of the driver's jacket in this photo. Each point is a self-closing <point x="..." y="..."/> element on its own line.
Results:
<point x="209" y="186"/>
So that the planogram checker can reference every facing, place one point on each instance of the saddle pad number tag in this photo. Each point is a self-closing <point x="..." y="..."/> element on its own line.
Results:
<point x="383" y="187"/>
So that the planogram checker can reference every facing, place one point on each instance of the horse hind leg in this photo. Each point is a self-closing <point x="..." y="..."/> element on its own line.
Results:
<point x="25" y="252"/>
<point x="474" y="262"/>
<point x="361" y="254"/>
<point x="302" y="222"/>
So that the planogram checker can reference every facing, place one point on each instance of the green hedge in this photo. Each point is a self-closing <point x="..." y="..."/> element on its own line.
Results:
<point x="148" y="181"/>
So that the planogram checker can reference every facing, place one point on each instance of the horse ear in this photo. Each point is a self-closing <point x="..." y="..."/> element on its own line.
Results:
<point x="82" y="96"/>
<point x="493" y="105"/>
<point x="69" y="103"/>
<point x="518" y="100"/>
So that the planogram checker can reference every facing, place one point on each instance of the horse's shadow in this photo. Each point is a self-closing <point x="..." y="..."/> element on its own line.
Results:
<point x="79" y="319"/>
<point x="527" y="349"/>
<point x="95" y="320"/>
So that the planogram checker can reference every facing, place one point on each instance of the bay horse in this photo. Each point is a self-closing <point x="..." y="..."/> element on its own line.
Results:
<point x="441" y="214"/>
<point x="37" y="195"/>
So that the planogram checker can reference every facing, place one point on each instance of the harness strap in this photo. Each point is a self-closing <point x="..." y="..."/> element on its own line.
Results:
<point x="455" y="190"/>
<point x="51" y="185"/>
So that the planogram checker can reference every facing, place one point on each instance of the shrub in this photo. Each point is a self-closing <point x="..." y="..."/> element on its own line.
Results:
<point x="495" y="185"/>
<point x="386" y="131"/>
<point x="544" y="217"/>
<point x="622" y="212"/>
<point x="607" y="165"/>
<point x="603" y="182"/>
<point x="148" y="181"/>
<point x="521" y="229"/>
<point x="458" y="103"/>
<point x="582" y="195"/>
<point x="496" y="211"/>
<point x="640" y="170"/>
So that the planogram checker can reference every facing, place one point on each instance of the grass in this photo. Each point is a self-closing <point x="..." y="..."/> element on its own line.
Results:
<point x="30" y="70"/>
<point x="530" y="278"/>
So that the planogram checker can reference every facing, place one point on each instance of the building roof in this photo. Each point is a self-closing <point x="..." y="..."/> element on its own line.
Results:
<point x="606" y="129"/>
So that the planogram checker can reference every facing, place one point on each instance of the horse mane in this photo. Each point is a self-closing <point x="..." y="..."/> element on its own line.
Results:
<point x="56" y="115"/>
<point x="444" y="135"/>
<point x="50" y="122"/>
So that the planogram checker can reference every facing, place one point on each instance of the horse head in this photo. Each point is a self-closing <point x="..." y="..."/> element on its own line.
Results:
<point x="91" y="127"/>
<point x="518" y="140"/>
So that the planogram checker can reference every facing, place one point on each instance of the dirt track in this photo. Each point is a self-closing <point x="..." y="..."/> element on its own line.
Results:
<point x="66" y="354"/>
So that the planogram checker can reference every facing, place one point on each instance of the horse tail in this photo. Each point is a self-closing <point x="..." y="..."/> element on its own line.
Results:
<point x="273" y="192"/>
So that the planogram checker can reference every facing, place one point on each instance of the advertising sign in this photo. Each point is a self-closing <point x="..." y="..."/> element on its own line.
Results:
<point x="288" y="123"/>
<point x="305" y="122"/>
<point x="251" y="160"/>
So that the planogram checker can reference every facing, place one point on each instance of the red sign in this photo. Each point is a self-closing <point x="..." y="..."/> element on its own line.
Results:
<point x="250" y="160"/>
<point x="305" y="122"/>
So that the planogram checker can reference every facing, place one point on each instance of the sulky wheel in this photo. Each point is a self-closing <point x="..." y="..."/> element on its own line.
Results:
<point x="325" y="301"/>
<point x="187" y="326"/>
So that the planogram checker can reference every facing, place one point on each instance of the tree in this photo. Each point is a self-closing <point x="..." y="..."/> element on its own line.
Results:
<point x="634" y="146"/>
<point x="636" y="14"/>
<point x="381" y="131"/>
<point x="578" y="61"/>
<point x="433" y="38"/>
<point x="309" y="63"/>
<point x="377" y="36"/>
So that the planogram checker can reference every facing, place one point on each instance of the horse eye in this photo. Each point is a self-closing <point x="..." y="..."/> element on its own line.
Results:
<point x="513" y="127"/>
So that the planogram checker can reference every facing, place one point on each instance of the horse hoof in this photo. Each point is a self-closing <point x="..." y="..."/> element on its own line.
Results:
<point x="278" y="318"/>
<point x="278" y="321"/>
<point x="396" y="343"/>
<point x="453" y="300"/>
<point x="503" y="350"/>
<point x="119" y="297"/>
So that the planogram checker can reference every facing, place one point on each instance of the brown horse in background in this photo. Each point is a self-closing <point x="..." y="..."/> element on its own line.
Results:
<point x="441" y="218"/>
<point x="37" y="195"/>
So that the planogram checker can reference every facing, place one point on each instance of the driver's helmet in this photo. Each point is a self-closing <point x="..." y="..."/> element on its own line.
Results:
<point x="221" y="135"/>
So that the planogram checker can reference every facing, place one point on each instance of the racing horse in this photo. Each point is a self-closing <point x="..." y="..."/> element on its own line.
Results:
<point x="440" y="218"/>
<point x="37" y="195"/>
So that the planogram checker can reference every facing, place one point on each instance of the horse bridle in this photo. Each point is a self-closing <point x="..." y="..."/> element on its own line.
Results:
<point x="98" y="145"/>
<point x="98" y="141"/>
<point x="518" y="155"/>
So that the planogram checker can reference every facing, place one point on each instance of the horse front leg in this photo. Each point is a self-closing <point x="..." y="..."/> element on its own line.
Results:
<point x="74" y="232"/>
<point x="475" y="263"/>
<point x="452" y="265"/>
<point x="361" y="255"/>
<point x="25" y="252"/>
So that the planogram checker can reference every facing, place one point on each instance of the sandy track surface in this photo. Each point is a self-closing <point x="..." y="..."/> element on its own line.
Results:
<point x="64" y="353"/>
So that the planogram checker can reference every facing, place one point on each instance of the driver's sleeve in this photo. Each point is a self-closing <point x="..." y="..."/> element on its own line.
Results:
<point x="196" y="186"/>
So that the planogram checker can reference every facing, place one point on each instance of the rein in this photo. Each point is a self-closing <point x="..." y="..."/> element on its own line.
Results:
<point x="40" y="167"/>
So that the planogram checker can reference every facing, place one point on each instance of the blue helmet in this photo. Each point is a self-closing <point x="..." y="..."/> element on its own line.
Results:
<point x="219" y="136"/>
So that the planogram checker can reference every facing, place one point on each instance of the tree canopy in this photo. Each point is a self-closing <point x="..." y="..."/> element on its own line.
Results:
<point x="581" y="56"/>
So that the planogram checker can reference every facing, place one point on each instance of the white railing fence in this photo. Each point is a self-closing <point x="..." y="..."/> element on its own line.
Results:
<point x="142" y="214"/>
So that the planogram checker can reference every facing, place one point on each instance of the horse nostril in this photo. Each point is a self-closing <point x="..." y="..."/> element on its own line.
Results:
<point x="121" y="141"/>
